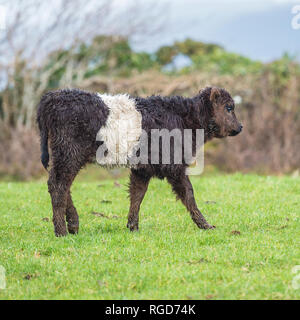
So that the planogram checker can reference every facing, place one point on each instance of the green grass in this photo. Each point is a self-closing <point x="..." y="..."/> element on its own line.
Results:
<point x="169" y="258"/>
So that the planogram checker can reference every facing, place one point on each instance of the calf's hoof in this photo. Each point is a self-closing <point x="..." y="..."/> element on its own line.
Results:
<point x="60" y="229"/>
<point x="60" y="233"/>
<point x="208" y="226"/>
<point x="133" y="226"/>
<point x="73" y="229"/>
<point x="205" y="226"/>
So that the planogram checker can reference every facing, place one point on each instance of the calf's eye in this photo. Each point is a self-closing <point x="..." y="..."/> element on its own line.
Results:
<point x="229" y="108"/>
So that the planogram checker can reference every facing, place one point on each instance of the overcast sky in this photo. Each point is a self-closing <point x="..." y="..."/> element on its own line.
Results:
<point x="260" y="29"/>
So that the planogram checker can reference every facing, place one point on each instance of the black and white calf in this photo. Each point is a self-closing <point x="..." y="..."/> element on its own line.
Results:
<point x="78" y="125"/>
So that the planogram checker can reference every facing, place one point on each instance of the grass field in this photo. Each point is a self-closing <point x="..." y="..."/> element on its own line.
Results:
<point x="250" y="255"/>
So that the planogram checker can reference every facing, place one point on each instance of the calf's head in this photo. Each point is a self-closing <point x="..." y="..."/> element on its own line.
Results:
<point x="223" y="114"/>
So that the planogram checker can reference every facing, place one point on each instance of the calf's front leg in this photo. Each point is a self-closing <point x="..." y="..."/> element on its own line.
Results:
<point x="184" y="190"/>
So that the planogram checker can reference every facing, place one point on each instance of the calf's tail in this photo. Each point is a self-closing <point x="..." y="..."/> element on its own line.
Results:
<point x="44" y="149"/>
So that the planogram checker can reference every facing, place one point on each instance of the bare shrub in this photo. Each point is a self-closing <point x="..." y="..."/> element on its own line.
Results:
<point x="270" y="141"/>
<point x="19" y="154"/>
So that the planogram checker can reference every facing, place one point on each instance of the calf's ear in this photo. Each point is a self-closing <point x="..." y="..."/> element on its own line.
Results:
<point x="214" y="94"/>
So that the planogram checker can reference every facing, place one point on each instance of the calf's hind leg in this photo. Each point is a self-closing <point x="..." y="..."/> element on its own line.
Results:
<point x="71" y="215"/>
<point x="59" y="184"/>
<point x="58" y="189"/>
<point x="137" y="188"/>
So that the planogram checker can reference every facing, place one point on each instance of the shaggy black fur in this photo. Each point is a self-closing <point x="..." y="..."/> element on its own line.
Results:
<point x="69" y="121"/>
